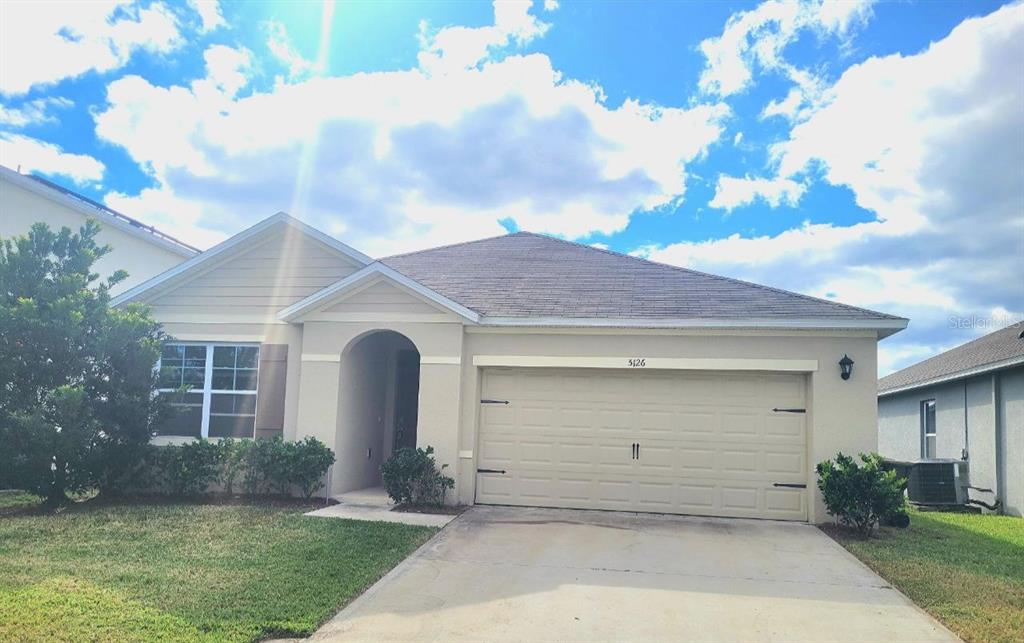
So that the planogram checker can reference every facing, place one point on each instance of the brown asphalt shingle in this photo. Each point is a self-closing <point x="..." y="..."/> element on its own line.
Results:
<point x="993" y="348"/>
<point x="531" y="275"/>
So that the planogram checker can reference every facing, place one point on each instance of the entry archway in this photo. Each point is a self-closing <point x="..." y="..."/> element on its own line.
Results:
<point x="378" y="406"/>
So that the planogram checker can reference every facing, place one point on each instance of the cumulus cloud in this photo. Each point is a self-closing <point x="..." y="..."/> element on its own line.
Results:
<point x="733" y="192"/>
<point x="397" y="160"/>
<point x="209" y="13"/>
<point x="31" y="155"/>
<point x="754" y="42"/>
<point x="45" y="42"/>
<point x="931" y="144"/>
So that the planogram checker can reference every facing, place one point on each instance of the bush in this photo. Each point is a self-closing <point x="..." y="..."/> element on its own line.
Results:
<point x="263" y="466"/>
<point x="190" y="469"/>
<point x="861" y="496"/>
<point x="411" y="476"/>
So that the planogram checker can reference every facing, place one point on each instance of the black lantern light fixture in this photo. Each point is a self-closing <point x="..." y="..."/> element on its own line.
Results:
<point x="845" y="367"/>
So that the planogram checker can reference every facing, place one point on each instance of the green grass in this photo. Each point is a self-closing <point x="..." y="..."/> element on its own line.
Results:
<point x="140" y="572"/>
<point x="967" y="570"/>
<point x="12" y="501"/>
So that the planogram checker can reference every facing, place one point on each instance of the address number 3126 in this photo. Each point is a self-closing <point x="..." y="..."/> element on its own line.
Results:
<point x="637" y="362"/>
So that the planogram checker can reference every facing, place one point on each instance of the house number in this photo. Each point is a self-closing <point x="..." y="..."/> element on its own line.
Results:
<point x="637" y="362"/>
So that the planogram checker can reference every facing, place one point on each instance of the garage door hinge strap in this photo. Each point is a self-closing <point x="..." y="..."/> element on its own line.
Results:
<point x="490" y="471"/>
<point x="790" y="485"/>
<point x="790" y="410"/>
<point x="494" y="401"/>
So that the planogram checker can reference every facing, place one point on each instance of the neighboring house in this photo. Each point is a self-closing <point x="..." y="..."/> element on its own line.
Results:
<point x="965" y="403"/>
<point x="140" y="249"/>
<point x="543" y="372"/>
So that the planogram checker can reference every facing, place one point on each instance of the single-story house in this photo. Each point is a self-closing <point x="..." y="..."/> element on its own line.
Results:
<point x="542" y="372"/>
<point x="140" y="249"/>
<point x="966" y="403"/>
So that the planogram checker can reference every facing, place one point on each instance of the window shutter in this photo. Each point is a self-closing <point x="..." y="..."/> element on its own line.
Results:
<point x="271" y="390"/>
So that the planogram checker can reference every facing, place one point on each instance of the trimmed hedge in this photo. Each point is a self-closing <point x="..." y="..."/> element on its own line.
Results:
<point x="259" y="467"/>
<point x="411" y="477"/>
<point x="862" y="496"/>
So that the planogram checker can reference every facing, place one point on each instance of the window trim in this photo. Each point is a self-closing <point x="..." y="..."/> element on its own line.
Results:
<point x="208" y="391"/>
<point x="924" y="428"/>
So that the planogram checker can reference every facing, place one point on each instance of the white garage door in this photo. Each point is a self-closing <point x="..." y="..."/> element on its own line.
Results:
<point x="706" y="443"/>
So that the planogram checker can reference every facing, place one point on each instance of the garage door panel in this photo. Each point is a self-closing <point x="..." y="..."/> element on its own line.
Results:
<point x="565" y="440"/>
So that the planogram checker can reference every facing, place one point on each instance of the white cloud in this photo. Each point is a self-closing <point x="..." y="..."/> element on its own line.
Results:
<point x="405" y="159"/>
<point x="31" y="155"/>
<point x="755" y="40"/>
<point x="550" y="5"/>
<point x="457" y="48"/>
<point x="32" y="112"/>
<point x="930" y="143"/>
<point x="733" y="192"/>
<point x="283" y="49"/>
<point x="209" y="14"/>
<point x="45" y="42"/>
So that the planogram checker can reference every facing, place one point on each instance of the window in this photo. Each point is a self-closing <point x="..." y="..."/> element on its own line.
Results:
<point x="928" y="429"/>
<point x="219" y="396"/>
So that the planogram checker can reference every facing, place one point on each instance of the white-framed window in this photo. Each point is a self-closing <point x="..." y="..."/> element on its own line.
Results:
<point x="928" y="445"/>
<point x="220" y="382"/>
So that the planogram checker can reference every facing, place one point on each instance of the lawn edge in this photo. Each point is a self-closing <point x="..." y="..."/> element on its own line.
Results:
<point x="890" y="584"/>
<point x="394" y="571"/>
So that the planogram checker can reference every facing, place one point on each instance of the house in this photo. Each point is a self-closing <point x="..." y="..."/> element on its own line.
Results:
<point x="140" y="249"/>
<point x="542" y="372"/>
<point x="965" y="403"/>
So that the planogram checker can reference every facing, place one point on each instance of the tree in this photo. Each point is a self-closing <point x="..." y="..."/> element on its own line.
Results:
<point x="76" y="376"/>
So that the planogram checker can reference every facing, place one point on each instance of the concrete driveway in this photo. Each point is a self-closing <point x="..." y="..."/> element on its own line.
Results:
<point x="510" y="574"/>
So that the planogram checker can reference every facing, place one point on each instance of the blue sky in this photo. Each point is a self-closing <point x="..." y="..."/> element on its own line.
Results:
<point x="867" y="152"/>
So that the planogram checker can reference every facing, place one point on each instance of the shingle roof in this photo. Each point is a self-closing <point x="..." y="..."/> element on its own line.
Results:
<point x="531" y="275"/>
<point x="992" y="350"/>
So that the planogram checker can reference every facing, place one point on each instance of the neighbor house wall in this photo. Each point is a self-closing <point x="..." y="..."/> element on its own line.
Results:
<point x="140" y="257"/>
<point x="985" y="398"/>
<point x="841" y="413"/>
<point x="1011" y="422"/>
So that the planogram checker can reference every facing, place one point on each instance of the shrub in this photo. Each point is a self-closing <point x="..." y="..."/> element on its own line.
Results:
<point x="861" y="496"/>
<point x="190" y="469"/>
<point x="308" y="461"/>
<point x="411" y="476"/>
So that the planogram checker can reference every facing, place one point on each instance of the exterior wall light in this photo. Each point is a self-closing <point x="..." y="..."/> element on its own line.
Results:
<point x="845" y="367"/>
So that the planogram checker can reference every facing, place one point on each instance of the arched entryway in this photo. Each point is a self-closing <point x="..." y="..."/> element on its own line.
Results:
<point x="377" y="406"/>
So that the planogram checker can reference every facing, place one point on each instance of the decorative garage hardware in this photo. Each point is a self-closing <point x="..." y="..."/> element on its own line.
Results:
<point x="636" y="450"/>
<point x="790" y="485"/>
<point x="490" y="471"/>
<point x="845" y="367"/>
<point x="790" y="410"/>
<point x="494" y="401"/>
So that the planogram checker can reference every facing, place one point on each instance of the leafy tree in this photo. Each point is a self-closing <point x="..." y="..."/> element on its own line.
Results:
<point x="76" y="376"/>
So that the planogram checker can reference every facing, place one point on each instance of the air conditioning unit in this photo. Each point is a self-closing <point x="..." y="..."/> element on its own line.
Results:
<point x="938" y="482"/>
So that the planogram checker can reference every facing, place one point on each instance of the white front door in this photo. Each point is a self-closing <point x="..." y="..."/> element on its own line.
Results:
<point x="715" y="443"/>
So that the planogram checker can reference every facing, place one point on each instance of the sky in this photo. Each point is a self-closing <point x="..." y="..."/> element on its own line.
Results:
<point x="871" y="153"/>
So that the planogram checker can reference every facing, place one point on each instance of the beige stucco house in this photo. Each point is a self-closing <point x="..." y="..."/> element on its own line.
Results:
<point x="542" y="372"/>
<point x="140" y="249"/>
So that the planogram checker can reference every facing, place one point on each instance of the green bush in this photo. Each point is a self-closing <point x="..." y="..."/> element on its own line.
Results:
<point x="411" y="476"/>
<point x="861" y="496"/>
<point x="263" y="466"/>
<point x="190" y="469"/>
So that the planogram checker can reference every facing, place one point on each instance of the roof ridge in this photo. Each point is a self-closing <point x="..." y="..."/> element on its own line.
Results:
<point x="711" y="275"/>
<point x="451" y="245"/>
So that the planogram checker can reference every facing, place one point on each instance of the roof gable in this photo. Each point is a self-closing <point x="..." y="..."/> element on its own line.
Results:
<point x="521" y="276"/>
<point x="358" y="282"/>
<point x="235" y="246"/>
<point x="1001" y="349"/>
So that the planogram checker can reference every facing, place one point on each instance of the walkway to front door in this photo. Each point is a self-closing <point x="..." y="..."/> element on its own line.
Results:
<point x="519" y="574"/>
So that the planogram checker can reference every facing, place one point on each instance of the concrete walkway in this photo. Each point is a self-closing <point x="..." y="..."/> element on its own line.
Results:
<point x="374" y="504"/>
<point x="504" y="574"/>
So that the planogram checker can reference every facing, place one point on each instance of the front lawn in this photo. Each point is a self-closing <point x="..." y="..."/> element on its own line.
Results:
<point x="967" y="570"/>
<point x="182" y="572"/>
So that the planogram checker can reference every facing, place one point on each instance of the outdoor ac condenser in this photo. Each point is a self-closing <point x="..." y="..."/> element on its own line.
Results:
<point x="938" y="482"/>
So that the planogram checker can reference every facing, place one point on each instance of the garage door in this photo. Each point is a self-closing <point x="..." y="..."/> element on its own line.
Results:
<point x="707" y="443"/>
